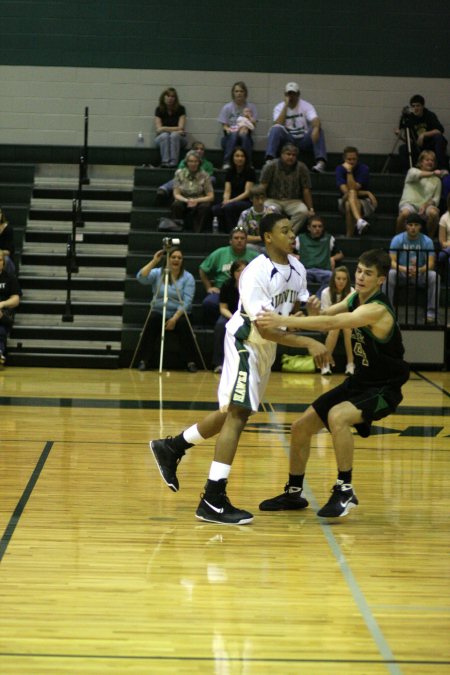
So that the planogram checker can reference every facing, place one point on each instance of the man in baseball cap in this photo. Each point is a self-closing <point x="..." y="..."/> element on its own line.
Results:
<point x="296" y="121"/>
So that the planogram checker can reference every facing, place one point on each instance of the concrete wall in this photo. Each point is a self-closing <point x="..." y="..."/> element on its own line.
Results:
<point x="45" y="105"/>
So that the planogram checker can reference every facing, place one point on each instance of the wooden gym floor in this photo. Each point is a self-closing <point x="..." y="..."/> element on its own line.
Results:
<point x="104" y="570"/>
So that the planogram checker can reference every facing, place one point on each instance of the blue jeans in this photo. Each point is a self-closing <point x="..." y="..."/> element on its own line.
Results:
<point x="319" y="276"/>
<point x="278" y="136"/>
<point x="430" y="281"/>
<point x="211" y="310"/>
<point x="230" y="141"/>
<point x="170" y="144"/>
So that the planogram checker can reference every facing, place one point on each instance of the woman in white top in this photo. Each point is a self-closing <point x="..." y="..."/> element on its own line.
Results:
<point x="338" y="289"/>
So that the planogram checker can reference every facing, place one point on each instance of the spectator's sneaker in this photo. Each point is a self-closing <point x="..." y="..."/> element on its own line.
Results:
<point x="290" y="500"/>
<point x="319" y="166"/>
<point x="218" y="370"/>
<point x="431" y="316"/>
<point x="215" y="507"/>
<point x="167" y="459"/>
<point x="361" y="225"/>
<point x="350" y="369"/>
<point x="192" y="367"/>
<point x="2" y="360"/>
<point x="326" y="370"/>
<point x="342" y="500"/>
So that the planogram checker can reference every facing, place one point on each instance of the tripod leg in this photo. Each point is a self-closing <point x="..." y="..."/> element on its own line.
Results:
<point x="390" y="155"/>
<point x="408" y="145"/>
<point x="197" y="346"/>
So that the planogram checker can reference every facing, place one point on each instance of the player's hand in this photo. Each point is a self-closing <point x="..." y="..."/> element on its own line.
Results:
<point x="270" y="320"/>
<point x="313" y="306"/>
<point x="320" y="354"/>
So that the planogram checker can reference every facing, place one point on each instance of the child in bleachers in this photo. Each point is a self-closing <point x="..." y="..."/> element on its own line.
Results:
<point x="251" y="218"/>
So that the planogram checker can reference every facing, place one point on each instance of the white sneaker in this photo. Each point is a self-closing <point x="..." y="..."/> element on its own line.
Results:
<point x="350" y="369"/>
<point x="326" y="370"/>
<point x="319" y="167"/>
<point x="361" y="225"/>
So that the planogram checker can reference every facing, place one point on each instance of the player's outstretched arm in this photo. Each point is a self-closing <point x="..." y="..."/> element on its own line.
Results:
<point x="317" y="349"/>
<point x="365" y="315"/>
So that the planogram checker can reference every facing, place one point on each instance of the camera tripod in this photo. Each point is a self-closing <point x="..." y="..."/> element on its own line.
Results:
<point x="404" y="126"/>
<point x="165" y="279"/>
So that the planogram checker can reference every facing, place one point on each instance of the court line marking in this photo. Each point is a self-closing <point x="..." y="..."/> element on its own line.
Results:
<point x="154" y="404"/>
<point x="433" y="384"/>
<point x="211" y="659"/>
<point x="21" y="504"/>
<point x="357" y="594"/>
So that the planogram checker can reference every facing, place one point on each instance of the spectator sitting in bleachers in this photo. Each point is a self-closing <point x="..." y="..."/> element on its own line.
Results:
<point x="296" y="121"/>
<point x="356" y="202"/>
<point x="239" y="180"/>
<point x="180" y="295"/>
<point x="238" y="119"/>
<point x="288" y="186"/>
<point x="170" y="120"/>
<point x="340" y="286"/>
<point x="165" y="190"/>
<point x="318" y="253"/>
<point x="193" y="193"/>
<point x="7" y="243"/>
<point x="413" y="259"/>
<point x="251" y="218"/>
<point x="215" y="270"/>
<point x="421" y="193"/>
<point x="9" y="299"/>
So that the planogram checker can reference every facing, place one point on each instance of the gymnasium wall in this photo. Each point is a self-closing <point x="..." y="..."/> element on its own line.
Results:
<point x="358" y="65"/>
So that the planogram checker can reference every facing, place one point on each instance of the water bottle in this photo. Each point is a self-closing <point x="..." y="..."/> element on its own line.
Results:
<point x="140" y="140"/>
<point x="215" y="225"/>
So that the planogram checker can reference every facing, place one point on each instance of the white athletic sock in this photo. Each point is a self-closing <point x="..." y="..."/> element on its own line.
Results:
<point x="219" y="471"/>
<point x="192" y="435"/>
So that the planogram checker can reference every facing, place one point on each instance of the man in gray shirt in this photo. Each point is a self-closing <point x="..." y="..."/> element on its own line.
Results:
<point x="288" y="186"/>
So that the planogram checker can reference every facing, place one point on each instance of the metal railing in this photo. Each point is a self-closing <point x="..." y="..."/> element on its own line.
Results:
<point x="421" y="296"/>
<point x="77" y="220"/>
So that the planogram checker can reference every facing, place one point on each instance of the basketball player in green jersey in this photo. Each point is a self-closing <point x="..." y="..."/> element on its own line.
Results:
<point x="373" y="392"/>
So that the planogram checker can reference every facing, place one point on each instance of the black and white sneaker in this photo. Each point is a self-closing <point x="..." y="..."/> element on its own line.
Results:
<point x="167" y="459"/>
<point x="342" y="500"/>
<point x="290" y="500"/>
<point x="215" y="507"/>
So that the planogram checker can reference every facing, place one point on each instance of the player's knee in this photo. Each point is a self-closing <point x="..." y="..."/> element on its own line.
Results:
<point x="337" y="418"/>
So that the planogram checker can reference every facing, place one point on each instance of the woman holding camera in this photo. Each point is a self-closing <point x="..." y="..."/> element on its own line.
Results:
<point x="193" y="194"/>
<point x="180" y="294"/>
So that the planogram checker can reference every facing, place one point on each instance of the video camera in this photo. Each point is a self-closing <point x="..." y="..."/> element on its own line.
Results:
<point x="168" y="242"/>
<point x="406" y="118"/>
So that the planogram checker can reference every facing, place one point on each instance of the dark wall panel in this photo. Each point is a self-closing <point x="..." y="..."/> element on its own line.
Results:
<point x="384" y="37"/>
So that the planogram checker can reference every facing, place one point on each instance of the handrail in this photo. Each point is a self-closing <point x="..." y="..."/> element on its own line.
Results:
<point x="84" y="178"/>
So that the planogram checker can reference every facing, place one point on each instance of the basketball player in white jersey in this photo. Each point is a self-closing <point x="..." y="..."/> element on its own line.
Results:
<point x="276" y="281"/>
